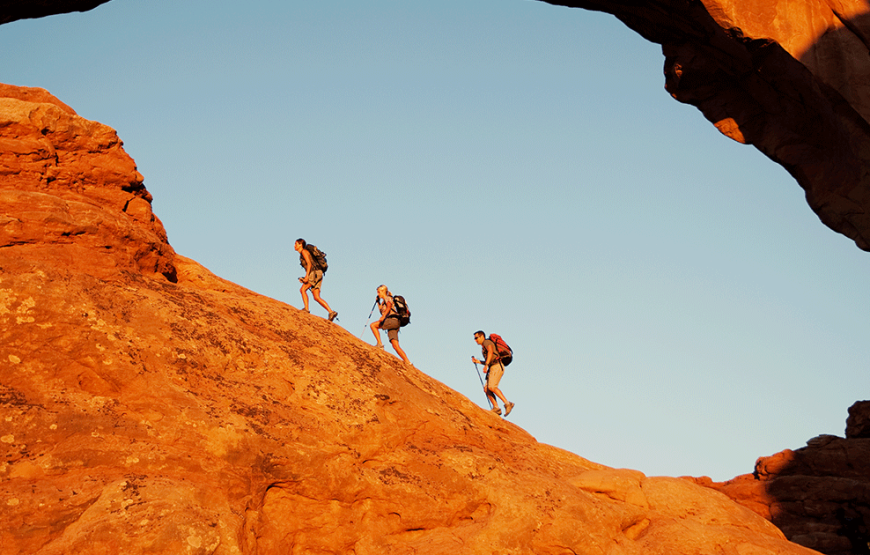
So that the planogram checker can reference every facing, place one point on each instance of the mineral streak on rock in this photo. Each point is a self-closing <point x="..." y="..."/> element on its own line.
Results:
<point x="148" y="406"/>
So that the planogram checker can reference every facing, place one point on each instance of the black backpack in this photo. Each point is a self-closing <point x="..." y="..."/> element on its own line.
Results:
<point x="401" y="308"/>
<point x="318" y="257"/>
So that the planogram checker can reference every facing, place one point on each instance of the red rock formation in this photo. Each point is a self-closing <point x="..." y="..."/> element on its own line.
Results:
<point x="70" y="193"/>
<point x="788" y="77"/>
<point x="858" y="422"/>
<point x="144" y="415"/>
<point x="818" y="495"/>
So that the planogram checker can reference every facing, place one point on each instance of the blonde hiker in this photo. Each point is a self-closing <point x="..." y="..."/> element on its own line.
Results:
<point x="394" y="314"/>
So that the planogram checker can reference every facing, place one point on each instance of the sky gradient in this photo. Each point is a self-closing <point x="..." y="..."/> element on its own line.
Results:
<point x="674" y="305"/>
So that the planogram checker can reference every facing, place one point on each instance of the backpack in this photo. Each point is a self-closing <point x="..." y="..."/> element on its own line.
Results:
<point x="504" y="352"/>
<point x="318" y="257"/>
<point x="401" y="308"/>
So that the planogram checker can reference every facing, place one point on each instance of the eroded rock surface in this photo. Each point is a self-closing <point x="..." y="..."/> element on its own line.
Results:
<point x="818" y="495"/>
<point x="69" y="192"/>
<point x="144" y="410"/>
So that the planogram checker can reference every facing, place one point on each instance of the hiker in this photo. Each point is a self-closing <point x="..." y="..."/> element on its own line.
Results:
<point x="494" y="370"/>
<point x="313" y="277"/>
<point x="389" y="321"/>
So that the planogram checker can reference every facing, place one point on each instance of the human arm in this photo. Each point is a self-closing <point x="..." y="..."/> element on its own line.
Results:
<point x="307" y="264"/>
<point x="490" y="355"/>
<point x="385" y="306"/>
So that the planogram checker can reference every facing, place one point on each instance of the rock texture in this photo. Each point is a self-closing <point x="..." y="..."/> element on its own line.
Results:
<point x="818" y="495"/>
<point x="70" y="194"/>
<point x="147" y="406"/>
<point x="789" y="77"/>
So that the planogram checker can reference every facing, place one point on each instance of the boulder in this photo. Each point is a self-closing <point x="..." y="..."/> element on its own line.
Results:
<point x="71" y="193"/>
<point x="818" y="495"/>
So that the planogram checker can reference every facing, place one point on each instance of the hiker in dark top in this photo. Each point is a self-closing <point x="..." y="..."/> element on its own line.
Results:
<point x="494" y="370"/>
<point x="312" y="279"/>
<point x="389" y="321"/>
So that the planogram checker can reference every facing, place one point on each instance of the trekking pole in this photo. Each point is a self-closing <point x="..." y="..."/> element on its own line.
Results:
<point x="484" y="386"/>
<point x="369" y="318"/>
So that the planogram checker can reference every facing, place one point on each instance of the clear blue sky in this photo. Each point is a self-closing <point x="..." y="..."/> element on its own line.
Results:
<point x="674" y="305"/>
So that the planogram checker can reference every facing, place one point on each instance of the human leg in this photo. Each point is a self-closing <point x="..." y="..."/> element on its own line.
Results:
<point x="391" y="325"/>
<point x="316" y="294"/>
<point x="399" y="351"/>
<point x="376" y="330"/>
<point x="493" y="377"/>
<point x="304" y="291"/>
<point x="315" y="281"/>
<point x="493" y="402"/>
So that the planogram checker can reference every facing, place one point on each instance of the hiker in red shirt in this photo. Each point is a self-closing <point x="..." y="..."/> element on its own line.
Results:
<point x="494" y="370"/>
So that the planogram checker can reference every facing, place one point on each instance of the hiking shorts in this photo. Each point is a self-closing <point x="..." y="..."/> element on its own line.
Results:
<point x="315" y="279"/>
<point x="391" y="325"/>
<point x="496" y="371"/>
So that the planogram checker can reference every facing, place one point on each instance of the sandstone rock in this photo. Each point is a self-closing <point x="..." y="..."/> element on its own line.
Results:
<point x="819" y="495"/>
<point x="858" y="423"/>
<point x="140" y="414"/>
<point x="69" y="191"/>
<point x="790" y="78"/>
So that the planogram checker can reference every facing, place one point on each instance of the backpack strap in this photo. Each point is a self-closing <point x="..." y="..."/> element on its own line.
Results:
<point x="496" y="356"/>
<point x="312" y="250"/>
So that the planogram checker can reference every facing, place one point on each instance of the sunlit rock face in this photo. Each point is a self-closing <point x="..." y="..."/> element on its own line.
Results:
<point x="150" y="407"/>
<point x="789" y="77"/>
<point x="12" y="10"/>
<point x="70" y="194"/>
<point x="818" y="495"/>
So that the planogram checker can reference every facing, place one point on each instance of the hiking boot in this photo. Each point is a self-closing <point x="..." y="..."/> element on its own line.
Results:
<point x="333" y="315"/>
<point x="508" y="408"/>
<point x="496" y="410"/>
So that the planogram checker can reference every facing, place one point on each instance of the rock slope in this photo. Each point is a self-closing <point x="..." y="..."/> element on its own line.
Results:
<point x="148" y="406"/>
<point x="819" y="495"/>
